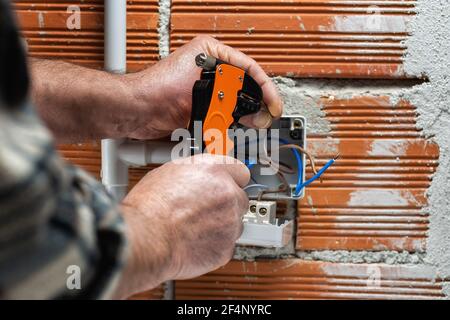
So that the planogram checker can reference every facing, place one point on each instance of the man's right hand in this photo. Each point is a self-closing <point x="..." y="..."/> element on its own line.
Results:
<point x="183" y="220"/>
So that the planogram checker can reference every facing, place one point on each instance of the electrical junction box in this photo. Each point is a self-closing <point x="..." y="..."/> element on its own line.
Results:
<point x="292" y="130"/>
<point x="261" y="226"/>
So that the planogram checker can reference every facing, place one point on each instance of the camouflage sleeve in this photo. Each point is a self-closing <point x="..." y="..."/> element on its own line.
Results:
<point x="61" y="235"/>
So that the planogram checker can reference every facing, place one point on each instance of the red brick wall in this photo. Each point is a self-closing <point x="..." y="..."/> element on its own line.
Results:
<point x="373" y="198"/>
<point x="317" y="38"/>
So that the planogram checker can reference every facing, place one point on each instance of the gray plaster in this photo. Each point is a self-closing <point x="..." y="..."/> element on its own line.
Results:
<point x="343" y="256"/>
<point x="164" y="28"/>
<point x="428" y="58"/>
<point x="428" y="55"/>
<point x="302" y="96"/>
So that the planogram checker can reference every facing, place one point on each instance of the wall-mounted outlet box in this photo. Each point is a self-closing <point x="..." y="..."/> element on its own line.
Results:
<point x="261" y="226"/>
<point x="292" y="130"/>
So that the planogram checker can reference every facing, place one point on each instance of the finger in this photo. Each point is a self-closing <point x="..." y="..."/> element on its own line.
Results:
<point x="233" y="167"/>
<point x="262" y="120"/>
<point x="239" y="231"/>
<point x="238" y="171"/>
<point x="242" y="202"/>
<point x="239" y="59"/>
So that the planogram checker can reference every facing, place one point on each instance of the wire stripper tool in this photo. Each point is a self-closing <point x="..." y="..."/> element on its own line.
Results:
<point x="223" y="95"/>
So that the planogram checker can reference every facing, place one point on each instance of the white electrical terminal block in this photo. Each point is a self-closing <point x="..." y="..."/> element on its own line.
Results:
<point x="262" y="228"/>
<point x="261" y="212"/>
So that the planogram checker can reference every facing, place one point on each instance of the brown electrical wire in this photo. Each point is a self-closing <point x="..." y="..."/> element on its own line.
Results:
<point x="282" y="167"/>
<point x="283" y="188"/>
<point x="310" y="157"/>
<point x="285" y="169"/>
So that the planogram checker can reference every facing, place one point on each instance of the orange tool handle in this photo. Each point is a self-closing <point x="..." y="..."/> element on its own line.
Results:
<point x="228" y="82"/>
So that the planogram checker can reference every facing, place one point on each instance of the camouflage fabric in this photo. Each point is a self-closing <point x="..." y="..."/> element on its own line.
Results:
<point x="61" y="234"/>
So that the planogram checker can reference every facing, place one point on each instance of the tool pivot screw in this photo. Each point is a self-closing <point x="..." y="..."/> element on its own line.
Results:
<point x="201" y="59"/>
<point x="220" y="70"/>
<point x="221" y="95"/>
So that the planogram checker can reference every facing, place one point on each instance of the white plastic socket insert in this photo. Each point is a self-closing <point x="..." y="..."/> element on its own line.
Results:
<point x="262" y="228"/>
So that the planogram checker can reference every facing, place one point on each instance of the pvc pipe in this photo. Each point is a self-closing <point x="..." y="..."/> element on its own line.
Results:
<point x="116" y="36"/>
<point x="115" y="172"/>
<point x="138" y="153"/>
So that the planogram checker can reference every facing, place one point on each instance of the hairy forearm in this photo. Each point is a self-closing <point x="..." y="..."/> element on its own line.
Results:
<point x="80" y="104"/>
<point x="144" y="271"/>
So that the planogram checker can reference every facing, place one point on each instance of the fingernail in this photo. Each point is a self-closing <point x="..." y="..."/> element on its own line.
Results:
<point x="262" y="120"/>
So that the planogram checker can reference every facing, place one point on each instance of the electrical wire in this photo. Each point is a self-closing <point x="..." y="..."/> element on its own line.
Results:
<point x="286" y="145"/>
<point x="256" y="185"/>
<point x="283" y="188"/>
<point x="321" y="171"/>
<point x="285" y="169"/>
<point x="250" y="164"/>
<point x="299" y="167"/>
<point x="280" y="166"/>
<point x="281" y="169"/>
<point x="296" y="147"/>
<point x="317" y="175"/>
<point x="266" y="160"/>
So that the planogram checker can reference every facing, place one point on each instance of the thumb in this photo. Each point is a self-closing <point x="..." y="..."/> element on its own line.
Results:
<point x="260" y="120"/>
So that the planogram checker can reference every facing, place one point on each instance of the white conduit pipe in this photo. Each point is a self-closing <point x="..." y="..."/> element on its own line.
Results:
<point x="138" y="153"/>
<point x="114" y="172"/>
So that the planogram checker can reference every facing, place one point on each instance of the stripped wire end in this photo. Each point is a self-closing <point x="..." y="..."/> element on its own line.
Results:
<point x="332" y="162"/>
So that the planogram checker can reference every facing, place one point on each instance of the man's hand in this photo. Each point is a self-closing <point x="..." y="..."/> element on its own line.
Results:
<point x="183" y="220"/>
<point x="80" y="104"/>
<point x="174" y="77"/>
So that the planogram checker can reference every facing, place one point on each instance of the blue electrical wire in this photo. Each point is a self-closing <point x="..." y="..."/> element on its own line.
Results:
<point x="300" y="185"/>
<point x="249" y="164"/>
<point x="299" y="168"/>
<point x="319" y="173"/>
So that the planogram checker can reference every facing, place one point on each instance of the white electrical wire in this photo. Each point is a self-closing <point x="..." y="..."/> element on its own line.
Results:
<point x="256" y="185"/>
